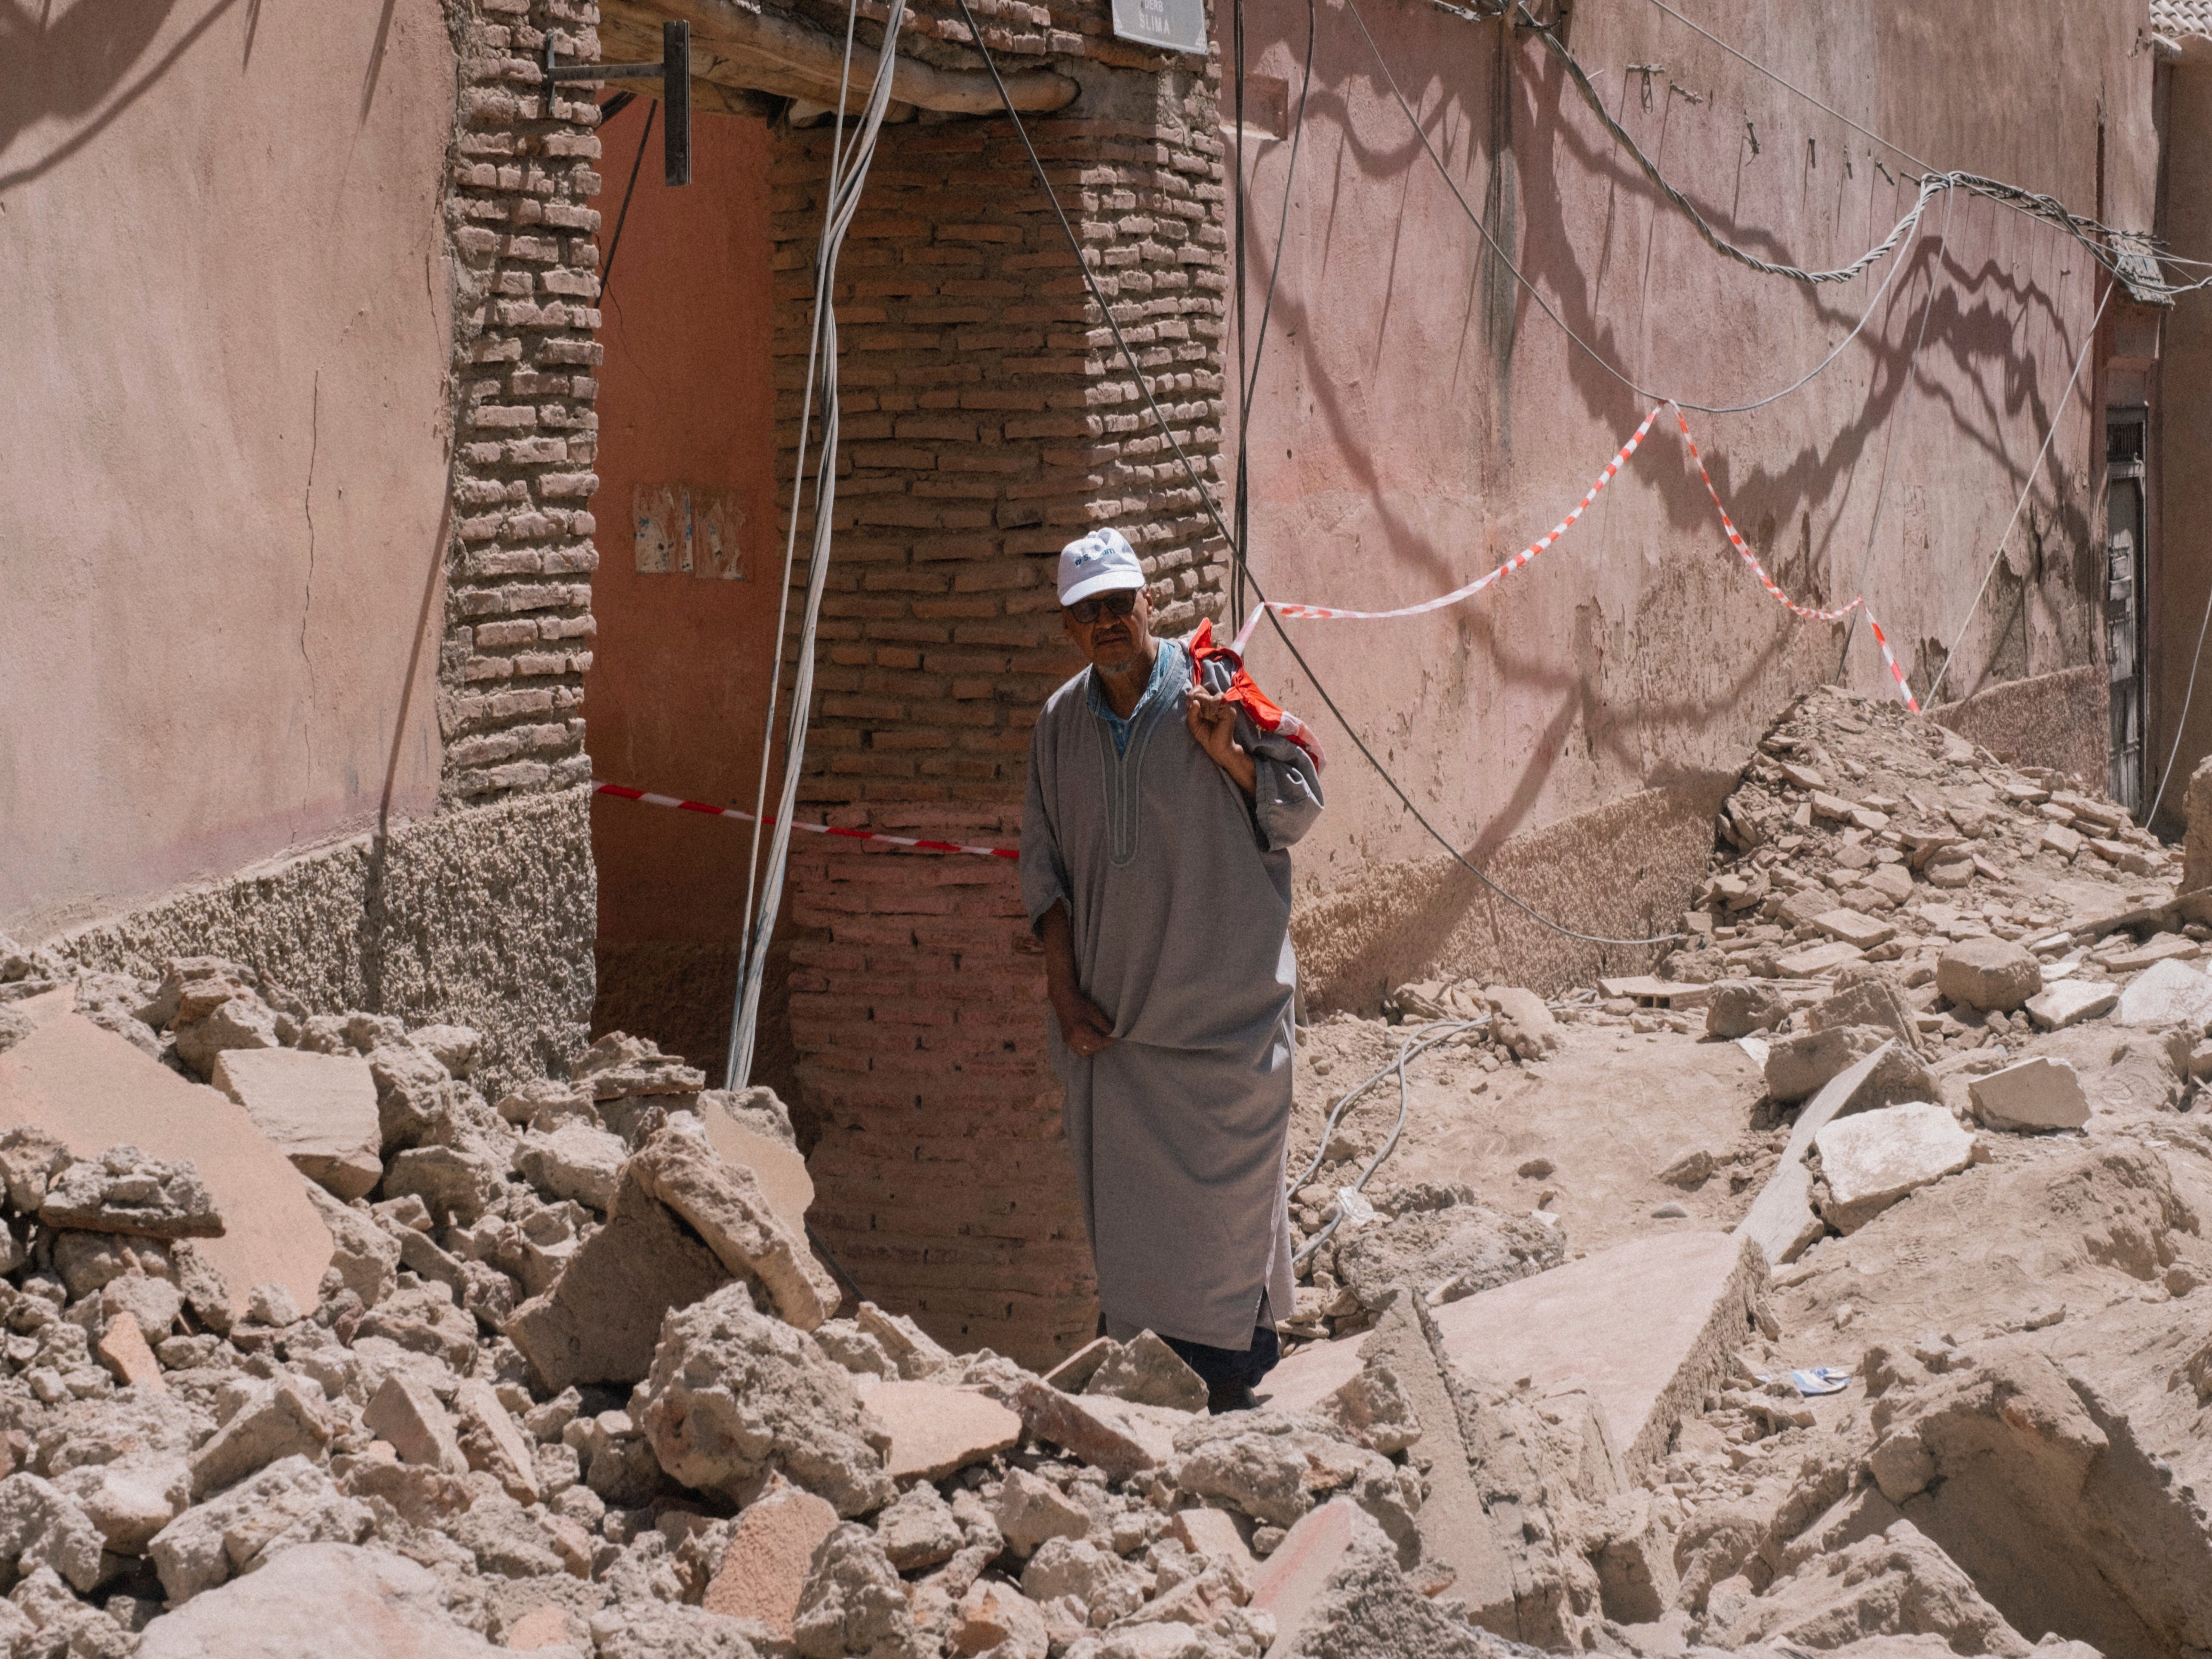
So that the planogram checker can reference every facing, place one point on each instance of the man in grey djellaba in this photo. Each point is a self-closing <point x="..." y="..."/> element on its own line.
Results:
<point x="1156" y="872"/>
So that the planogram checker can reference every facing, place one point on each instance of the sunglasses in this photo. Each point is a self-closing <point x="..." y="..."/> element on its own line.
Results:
<point x="1122" y="602"/>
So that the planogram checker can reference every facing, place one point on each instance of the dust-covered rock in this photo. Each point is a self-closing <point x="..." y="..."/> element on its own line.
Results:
<point x="734" y="1394"/>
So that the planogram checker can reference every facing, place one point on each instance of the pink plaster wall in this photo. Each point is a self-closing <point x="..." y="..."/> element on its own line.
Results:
<point x="1418" y="419"/>
<point x="223" y="445"/>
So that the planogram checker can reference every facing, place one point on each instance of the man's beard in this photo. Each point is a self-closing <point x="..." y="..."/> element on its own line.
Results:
<point x="1128" y="664"/>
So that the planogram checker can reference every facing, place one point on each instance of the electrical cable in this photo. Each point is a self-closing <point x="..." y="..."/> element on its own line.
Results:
<point x="790" y="555"/>
<point x="849" y="174"/>
<point x="1424" y="1038"/>
<point x="1713" y="238"/>
<point x="2030" y="202"/>
<point x="1248" y="379"/>
<point x="1897" y="423"/>
<point x="614" y="243"/>
<point x="1927" y="192"/>
<point x="1240" y="503"/>
<point x="1420" y="1043"/>
<point x="2027" y="489"/>
<point x="2181" y="725"/>
<point x="1213" y="512"/>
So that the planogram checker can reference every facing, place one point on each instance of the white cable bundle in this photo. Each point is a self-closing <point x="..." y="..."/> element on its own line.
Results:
<point x="848" y="171"/>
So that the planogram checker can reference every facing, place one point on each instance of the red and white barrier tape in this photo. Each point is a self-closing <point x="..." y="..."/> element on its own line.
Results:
<point x="1895" y="672"/>
<point x="1743" y="548"/>
<point x="624" y="794"/>
<point x="1331" y="613"/>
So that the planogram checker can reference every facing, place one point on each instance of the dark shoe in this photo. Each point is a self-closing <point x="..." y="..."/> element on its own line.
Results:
<point x="1230" y="1396"/>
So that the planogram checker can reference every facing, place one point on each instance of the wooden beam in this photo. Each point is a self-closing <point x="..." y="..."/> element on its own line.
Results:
<point x="739" y="51"/>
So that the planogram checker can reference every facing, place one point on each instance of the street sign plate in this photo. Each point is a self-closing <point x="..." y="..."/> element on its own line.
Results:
<point x="1173" y="24"/>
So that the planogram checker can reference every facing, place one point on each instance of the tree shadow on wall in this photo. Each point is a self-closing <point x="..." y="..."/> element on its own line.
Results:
<point x="84" y="65"/>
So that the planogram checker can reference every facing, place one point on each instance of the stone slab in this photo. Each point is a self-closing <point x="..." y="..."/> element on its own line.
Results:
<point x="1781" y="1223"/>
<point x="318" y="1601"/>
<point x="1811" y="959"/>
<point x="2068" y="1002"/>
<point x="938" y="1431"/>
<point x="2039" y="1093"/>
<point x="1647" y="1325"/>
<point x="1296" y="1576"/>
<point x="1302" y="1381"/>
<point x="781" y="1171"/>
<point x="2164" y="947"/>
<point x="2166" y="994"/>
<point x="1118" y="1436"/>
<point x="91" y="1090"/>
<point x="764" y="1569"/>
<point x="319" y="1109"/>
<point x="1854" y="927"/>
<point x="1874" y="1160"/>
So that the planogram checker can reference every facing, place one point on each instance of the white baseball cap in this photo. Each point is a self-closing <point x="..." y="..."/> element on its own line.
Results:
<point x="1097" y="563"/>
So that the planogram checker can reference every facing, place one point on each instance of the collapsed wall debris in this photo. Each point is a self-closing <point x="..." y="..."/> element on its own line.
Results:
<point x="311" y="1348"/>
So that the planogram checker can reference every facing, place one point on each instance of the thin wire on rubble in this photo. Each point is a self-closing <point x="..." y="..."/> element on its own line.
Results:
<point x="1213" y="512"/>
<point x="849" y="172"/>
<point x="1424" y="1038"/>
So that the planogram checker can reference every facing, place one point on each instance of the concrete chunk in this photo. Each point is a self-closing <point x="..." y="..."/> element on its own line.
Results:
<point x="2069" y="1002"/>
<point x="404" y="1412"/>
<point x="91" y="1090"/>
<point x="1807" y="961"/>
<point x="1333" y="1586"/>
<point x="1146" y="1370"/>
<point x="1028" y="1511"/>
<point x="125" y="1191"/>
<point x="937" y="1431"/>
<point x="319" y="1110"/>
<point x="282" y="1420"/>
<point x="1649" y="1325"/>
<point x="1871" y="1161"/>
<point x="726" y="1206"/>
<point x="2167" y="993"/>
<point x="2040" y="1093"/>
<point x="1782" y="1223"/>
<point x="1988" y="973"/>
<point x="122" y="1348"/>
<point x="1117" y="1436"/>
<point x="599" y="1321"/>
<point x="492" y="1441"/>
<point x="751" y="1129"/>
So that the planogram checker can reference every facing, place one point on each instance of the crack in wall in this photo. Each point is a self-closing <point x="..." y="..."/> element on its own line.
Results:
<point x="308" y="506"/>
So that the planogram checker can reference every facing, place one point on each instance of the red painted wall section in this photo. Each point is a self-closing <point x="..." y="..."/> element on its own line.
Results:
<point x="680" y="679"/>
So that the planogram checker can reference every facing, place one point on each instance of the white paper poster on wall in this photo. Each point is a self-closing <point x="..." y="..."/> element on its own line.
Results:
<point x="1175" y="25"/>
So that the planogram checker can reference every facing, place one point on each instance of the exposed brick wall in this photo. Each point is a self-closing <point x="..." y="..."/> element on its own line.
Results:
<point x="518" y="592"/>
<point x="987" y="419"/>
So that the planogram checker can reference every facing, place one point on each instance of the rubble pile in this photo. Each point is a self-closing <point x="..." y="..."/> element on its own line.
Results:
<point x="314" y="1348"/>
<point x="561" y="1371"/>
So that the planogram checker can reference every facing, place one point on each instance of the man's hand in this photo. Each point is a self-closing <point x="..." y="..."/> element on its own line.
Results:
<point x="1084" y="1026"/>
<point x="1213" y="721"/>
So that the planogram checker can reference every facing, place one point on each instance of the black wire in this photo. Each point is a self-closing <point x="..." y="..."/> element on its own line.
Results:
<point x="1205" y="500"/>
<point x="607" y="271"/>
<point x="1283" y="225"/>
<point x="1241" y="503"/>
